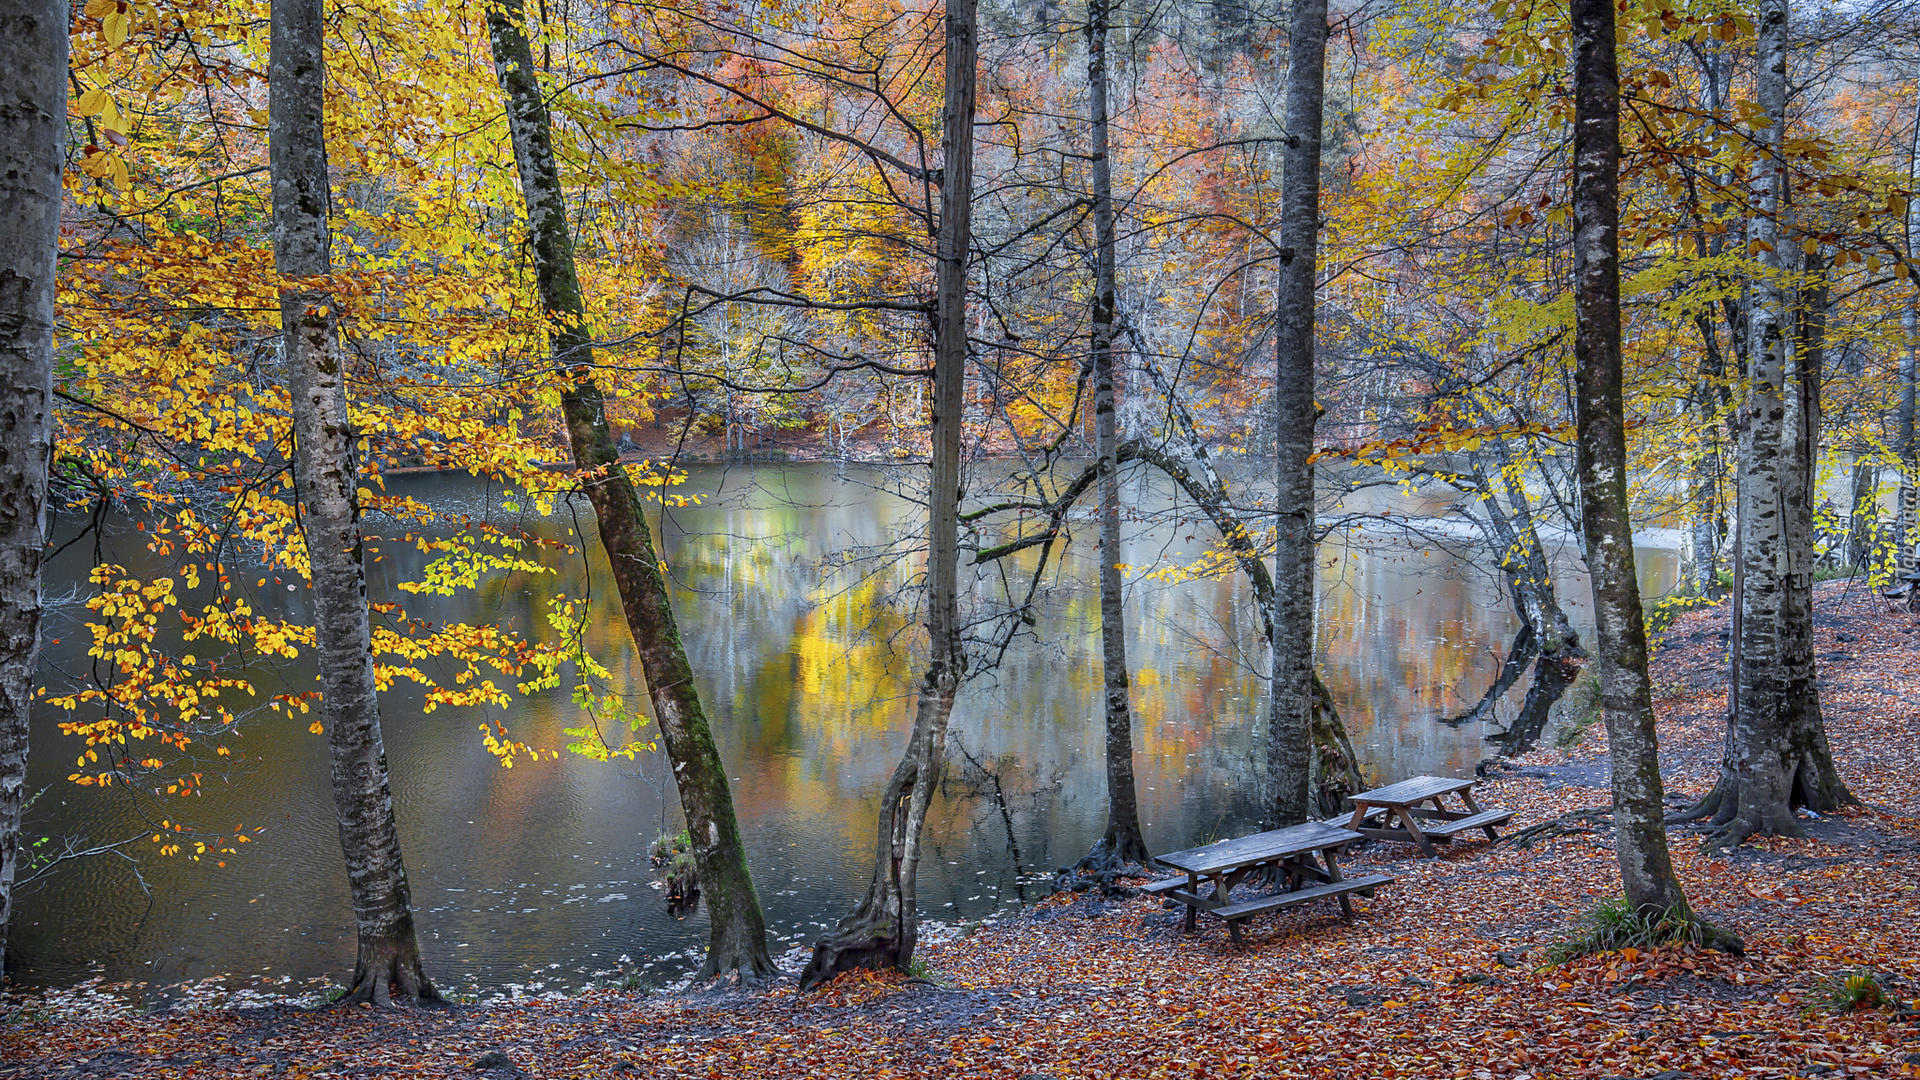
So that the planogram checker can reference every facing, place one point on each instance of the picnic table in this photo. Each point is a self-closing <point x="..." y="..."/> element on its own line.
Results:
<point x="1302" y="856"/>
<point x="1395" y="812"/>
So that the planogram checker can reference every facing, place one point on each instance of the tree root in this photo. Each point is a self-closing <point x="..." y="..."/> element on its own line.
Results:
<point x="1734" y="814"/>
<point x="851" y="948"/>
<point x="1568" y="824"/>
<point x="398" y="982"/>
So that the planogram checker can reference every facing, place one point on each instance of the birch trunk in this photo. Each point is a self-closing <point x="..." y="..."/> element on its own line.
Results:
<point x="1290" y="700"/>
<point x="1863" y="521"/>
<point x="736" y="931"/>
<point x="1905" y="444"/>
<point x="1123" y="840"/>
<point x="387" y="969"/>
<point x="1814" y="781"/>
<point x="33" y="111"/>
<point x="1776" y="750"/>
<point x="882" y="931"/>
<point x="1626" y="697"/>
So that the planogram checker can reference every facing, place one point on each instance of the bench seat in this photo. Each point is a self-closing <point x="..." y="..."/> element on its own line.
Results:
<point x="1155" y="888"/>
<point x="1485" y="819"/>
<point x="1236" y="912"/>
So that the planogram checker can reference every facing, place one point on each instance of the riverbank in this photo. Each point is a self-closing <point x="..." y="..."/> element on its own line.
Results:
<point x="1441" y="975"/>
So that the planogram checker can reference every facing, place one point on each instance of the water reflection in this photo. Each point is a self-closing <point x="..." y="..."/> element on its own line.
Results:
<point x="538" y="875"/>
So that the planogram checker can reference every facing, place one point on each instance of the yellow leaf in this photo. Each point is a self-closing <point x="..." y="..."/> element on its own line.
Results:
<point x="94" y="102"/>
<point x="115" y="27"/>
<point x="316" y="727"/>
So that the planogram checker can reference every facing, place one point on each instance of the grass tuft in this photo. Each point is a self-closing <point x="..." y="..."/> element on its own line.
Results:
<point x="1611" y="925"/>
<point x="1861" y="988"/>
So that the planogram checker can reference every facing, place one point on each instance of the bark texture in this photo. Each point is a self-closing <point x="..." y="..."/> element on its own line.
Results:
<point x="1290" y="700"/>
<point x="1626" y="697"/>
<point x="736" y="935"/>
<point x="387" y="969"/>
<point x="1123" y="841"/>
<point x="1863" y="519"/>
<point x="1776" y="752"/>
<point x="33" y="109"/>
<point x="1905" y="443"/>
<point x="882" y="931"/>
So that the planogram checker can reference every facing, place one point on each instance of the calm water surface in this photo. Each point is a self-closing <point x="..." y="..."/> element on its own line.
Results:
<point x="536" y="877"/>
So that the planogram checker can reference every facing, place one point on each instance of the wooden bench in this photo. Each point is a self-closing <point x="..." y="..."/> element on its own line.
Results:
<point x="1484" y="820"/>
<point x="1155" y="888"/>
<point x="1413" y="811"/>
<point x="1240" y="911"/>
<point x="1300" y="859"/>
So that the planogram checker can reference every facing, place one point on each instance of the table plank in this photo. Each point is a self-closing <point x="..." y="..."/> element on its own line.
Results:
<point x="1412" y="790"/>
<point x="1258" y="848"/>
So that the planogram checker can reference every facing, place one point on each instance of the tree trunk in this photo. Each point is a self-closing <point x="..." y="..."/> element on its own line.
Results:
<point x="1333" y="772"/>
<point x="387" y="969"/>
<point x="882" y="930"/>
<point x="1123" y="841"/>
<point x="1905" y="443"/>
<point x="1290" y="700"/>
<point x="1815" y="781"/>
<point x="1626" y="697"/>
<point x="1863" y="520"/>
<point x="736" y="932"/>
<point x="1776" y="750"/>
<point x="33" y="111"/>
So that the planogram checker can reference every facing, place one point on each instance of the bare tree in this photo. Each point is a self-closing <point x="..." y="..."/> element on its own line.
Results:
<point x="1123" y="840"/>
<point x="882" y="930"/>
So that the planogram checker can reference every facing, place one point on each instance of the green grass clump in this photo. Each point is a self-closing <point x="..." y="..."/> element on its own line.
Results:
<point x="1611" y="925"/>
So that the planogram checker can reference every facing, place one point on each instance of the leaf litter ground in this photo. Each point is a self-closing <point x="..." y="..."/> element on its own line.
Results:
<point x="1440" y="975"/>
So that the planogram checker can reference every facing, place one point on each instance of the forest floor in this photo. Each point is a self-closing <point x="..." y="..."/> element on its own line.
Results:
<point x="1440" y="975"/>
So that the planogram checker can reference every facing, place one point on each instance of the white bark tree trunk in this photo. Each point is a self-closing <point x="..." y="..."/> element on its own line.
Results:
<point x="387" y="969"/>
<point x="33" y="111"/>
<point x="1776" y="749"/>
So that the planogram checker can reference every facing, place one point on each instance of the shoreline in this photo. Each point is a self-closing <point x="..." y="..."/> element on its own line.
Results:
<point x="1440" y="974"/>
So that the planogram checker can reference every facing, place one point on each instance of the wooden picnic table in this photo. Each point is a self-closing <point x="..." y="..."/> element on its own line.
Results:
<point x="1303" y="856"/>
<point x="1395" y="812"/>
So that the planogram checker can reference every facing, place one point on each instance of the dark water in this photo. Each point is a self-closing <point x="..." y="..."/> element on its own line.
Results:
<point x="536" y="877"/>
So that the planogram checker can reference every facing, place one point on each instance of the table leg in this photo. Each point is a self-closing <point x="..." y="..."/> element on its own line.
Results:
<point x="1193" y="907"/>
<point x="1333" y="874"/>
<point x="1413" y="828"/>
<point x="1359" y="815"/>
<point x="1466" y="796"/>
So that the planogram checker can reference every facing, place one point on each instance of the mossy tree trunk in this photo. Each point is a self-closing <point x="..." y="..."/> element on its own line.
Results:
<point x="1626" y="697"/>
<point x="736" y="935"/>
<point x="1296" y="548"/>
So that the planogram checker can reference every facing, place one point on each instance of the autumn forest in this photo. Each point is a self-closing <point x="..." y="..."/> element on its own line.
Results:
<point x="891" y="511"/>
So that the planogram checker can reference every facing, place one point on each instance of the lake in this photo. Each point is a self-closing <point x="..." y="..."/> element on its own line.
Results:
<point x="536" y="878"/>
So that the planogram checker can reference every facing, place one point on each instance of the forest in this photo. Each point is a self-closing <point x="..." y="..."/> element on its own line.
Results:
<point x="766" y="537"/>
